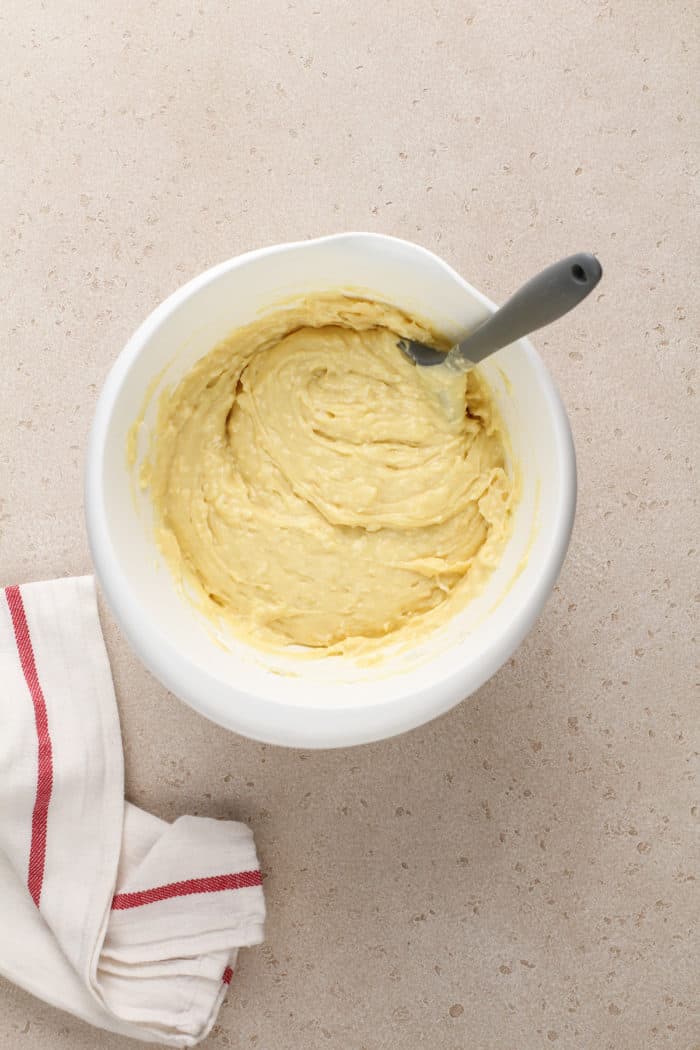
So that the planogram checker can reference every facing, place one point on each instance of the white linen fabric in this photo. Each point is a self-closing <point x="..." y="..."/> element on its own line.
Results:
<point x="123" y="919"/>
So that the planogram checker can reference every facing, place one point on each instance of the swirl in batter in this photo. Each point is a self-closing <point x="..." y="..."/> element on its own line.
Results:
<point x="315" y="489"/>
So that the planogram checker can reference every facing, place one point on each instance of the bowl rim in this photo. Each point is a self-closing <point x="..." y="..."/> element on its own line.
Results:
<point x="264" y="720"/>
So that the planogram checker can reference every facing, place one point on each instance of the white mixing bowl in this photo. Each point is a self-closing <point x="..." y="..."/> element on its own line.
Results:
<point x="327" y="702"/>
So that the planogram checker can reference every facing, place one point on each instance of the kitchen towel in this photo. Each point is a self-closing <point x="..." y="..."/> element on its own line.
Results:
<point x="123" y="919"/>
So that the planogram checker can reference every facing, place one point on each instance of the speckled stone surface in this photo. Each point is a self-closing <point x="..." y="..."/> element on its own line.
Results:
<point x="522" y="872"/>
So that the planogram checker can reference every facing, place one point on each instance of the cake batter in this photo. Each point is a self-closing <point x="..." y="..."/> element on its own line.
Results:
<point x="317" y="488"/>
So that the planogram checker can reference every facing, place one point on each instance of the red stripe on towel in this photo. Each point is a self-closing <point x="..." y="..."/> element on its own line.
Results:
<point x="44" y="779"/>
<point x="237" y="880"/>
<point x="228" y="974"/>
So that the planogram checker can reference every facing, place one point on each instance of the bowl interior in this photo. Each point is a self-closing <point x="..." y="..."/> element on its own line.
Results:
<point x="233" y="683"/>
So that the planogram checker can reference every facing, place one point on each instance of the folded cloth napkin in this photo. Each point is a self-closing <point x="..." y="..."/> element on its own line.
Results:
<point x="121" y="918"/>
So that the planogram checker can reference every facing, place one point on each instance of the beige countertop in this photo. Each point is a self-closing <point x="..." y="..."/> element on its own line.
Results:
<point x="520" y="873"/>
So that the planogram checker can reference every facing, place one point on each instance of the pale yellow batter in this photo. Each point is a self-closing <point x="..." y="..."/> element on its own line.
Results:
<point x="317" y="488"/>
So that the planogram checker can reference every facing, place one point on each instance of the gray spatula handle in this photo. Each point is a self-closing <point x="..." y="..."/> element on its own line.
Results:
<point x="544" y="299"/>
